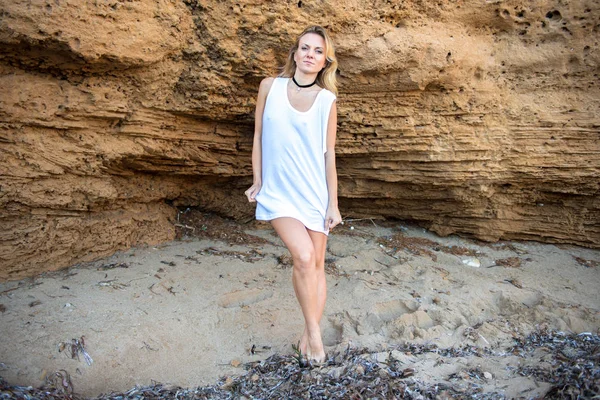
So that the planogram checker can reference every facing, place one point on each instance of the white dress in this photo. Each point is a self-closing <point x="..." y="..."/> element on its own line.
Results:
<point x="294" y="143"/>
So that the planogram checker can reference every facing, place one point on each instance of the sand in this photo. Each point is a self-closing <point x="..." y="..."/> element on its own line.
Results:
<point x="190" y="311"/>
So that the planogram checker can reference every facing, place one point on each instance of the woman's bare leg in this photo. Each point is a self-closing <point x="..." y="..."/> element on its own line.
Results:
<point x="320" y="244"/>
<point x="305" y="278"/>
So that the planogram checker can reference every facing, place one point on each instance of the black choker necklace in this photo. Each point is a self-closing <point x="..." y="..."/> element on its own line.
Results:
<point x="302" y="86"/>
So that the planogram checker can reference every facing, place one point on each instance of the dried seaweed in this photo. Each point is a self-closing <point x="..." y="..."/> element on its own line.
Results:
<point x="353" y="227"/>
<point x="74" y="347"/>
<point x="504" y="246"/>
<point x="587" y="263"/>
<point x="422" y="246"/>
<point x="515" y="282"/>
<point x="510" y="262"/>
<point x="285" y="261"/>
<point x="107" y="267"/>
<point x="458" y="251"/>
<point x="357" y="374"/>
<point x="332" y="268"/>
<point x="414" y="245"/>
<point x="112" y="283"/>
<point x="575" y="363"/>
<point x="194" y="223"/>
<point x="250" y="256"/>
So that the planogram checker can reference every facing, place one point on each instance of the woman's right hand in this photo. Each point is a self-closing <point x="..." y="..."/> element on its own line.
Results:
<point x="252" y="192"/>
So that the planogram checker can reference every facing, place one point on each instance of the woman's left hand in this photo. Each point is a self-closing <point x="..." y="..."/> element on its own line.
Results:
<point x="332" y="218"/>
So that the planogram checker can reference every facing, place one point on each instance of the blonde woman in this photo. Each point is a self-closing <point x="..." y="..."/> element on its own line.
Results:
<point x="295" y="177"/>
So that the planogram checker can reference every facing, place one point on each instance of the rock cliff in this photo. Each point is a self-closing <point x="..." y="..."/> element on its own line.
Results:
<point x="470" y="117"/>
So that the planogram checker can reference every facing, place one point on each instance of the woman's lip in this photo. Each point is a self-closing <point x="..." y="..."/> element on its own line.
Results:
<point x="308" y="62"/>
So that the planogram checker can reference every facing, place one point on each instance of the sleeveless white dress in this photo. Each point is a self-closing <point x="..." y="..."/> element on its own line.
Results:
<point x="294" y="143"/>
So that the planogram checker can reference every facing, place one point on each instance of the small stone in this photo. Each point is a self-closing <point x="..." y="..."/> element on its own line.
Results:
<point x="235" y="363"/>
<point x="380" y="357"/>
<point x="360" y="370"/>
<point x="254" y="378"/>
<point x="487" y="375"/>
<point x="472" y="262"/>
<point x="228" y="383"/>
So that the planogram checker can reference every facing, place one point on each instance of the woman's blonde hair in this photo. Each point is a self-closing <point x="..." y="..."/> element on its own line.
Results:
<point x="326" y="77"/>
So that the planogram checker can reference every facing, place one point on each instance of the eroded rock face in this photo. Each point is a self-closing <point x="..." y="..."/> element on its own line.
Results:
<point x="478" y="118"/>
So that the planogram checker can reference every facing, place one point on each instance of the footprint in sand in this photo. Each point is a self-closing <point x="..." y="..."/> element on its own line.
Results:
<point x="244" y="297"/>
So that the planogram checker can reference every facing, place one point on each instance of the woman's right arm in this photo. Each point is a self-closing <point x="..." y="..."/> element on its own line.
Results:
<point x="263" y="91"/>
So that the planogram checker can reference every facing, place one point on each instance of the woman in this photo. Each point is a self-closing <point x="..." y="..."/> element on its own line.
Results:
<point x="293" y="163"/>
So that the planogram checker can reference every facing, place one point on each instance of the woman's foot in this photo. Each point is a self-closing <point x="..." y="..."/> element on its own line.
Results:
<point x="315" y="353"/>
<point x="316" y="348"/>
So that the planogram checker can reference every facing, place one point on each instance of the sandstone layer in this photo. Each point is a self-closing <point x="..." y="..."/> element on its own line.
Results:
<point x="469" y="117"/>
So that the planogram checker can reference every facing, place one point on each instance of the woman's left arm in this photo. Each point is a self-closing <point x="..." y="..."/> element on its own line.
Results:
<point x="333" y="216"/>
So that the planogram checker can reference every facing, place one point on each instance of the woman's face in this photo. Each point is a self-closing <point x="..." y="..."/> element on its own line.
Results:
<point x="310" y="57"/>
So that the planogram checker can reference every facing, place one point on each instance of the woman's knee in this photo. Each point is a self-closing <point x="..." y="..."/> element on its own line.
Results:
<point x="320" y="261"/>
<point x="304" y="260"/>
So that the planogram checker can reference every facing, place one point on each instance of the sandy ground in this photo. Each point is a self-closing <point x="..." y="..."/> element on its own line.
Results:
<point x="189" y="311"/>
